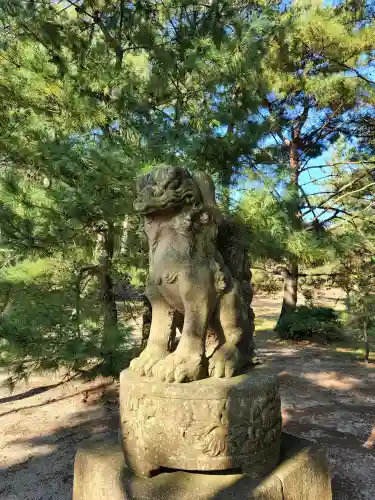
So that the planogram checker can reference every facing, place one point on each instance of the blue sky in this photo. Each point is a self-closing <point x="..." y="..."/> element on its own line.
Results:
<point x="308" y="175"/>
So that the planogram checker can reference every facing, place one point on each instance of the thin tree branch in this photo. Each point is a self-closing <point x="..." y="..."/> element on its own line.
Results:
<point x="343" y="188"/>
<point x="340" y="163"/>
<point x="354" y="70"/>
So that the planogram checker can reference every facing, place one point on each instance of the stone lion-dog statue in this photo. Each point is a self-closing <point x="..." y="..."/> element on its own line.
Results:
<point x="199" y="281"/>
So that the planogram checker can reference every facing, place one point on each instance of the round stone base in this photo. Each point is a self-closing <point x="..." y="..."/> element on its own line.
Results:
<point x="207" y="425"/>
<point x="302" y="474"/>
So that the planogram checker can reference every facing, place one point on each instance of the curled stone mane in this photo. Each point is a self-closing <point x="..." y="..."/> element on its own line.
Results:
<point x="166" y="189"/>
<point x="191" y="198"/>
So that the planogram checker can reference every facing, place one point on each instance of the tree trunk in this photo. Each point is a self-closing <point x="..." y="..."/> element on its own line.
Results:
<point x="227" y="173"/>
<point x="290" y="291"/>
<point x="146" y="323"/>
<point x="107" y="250"/>
<point x="106" y="289"/>
<point x="347" y="300"/>
<point x="367" y="344"/>
<point x="291" y="275"/>
<point x="225" y="195"/>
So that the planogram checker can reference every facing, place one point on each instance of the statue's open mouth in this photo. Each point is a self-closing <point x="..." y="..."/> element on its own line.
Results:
<point x="151" y="205"/>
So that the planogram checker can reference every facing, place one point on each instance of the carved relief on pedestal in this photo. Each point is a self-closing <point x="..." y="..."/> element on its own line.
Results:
<point x="217" y="432"/>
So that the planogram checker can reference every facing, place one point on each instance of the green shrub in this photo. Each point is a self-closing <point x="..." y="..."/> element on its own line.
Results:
<point x="318" y="324"/>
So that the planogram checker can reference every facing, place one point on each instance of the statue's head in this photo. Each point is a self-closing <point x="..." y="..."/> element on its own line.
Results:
<point x="166" y="188"/>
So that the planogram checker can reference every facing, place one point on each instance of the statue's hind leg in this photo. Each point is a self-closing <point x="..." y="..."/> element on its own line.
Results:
<point x="233" y="322"/>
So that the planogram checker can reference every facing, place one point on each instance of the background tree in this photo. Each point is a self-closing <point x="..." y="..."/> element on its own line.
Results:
<point x="307" y="111"/>
<point x="274" y="238"/>
<point x="355" y="272"/>
<point x="94" y="92"/>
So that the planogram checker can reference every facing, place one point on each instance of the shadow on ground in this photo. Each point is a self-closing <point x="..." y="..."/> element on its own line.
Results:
<point x="28" y="394"/>
<point x="329" y="397"/>
<point x="42" y="467"/>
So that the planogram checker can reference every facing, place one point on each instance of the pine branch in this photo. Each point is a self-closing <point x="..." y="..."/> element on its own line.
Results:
<point x="110" y="39"/>
<point x="280" y="270"/>
<point x="343" y="188"/>
<point x="317" y="181"/>
<point x="338" y="62"/>
<point x="354" y="70"/>
<point x="335" y="164"/>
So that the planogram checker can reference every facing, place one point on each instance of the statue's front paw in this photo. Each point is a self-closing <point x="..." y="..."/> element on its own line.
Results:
<point x="180" y="367"/>
<point x="226" y="362"/>
<point x="147" y="359"/>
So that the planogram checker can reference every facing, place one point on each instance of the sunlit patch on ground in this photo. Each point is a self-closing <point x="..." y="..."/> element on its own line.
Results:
<point x="370" y="440"/>
<point x="334" y="380"/>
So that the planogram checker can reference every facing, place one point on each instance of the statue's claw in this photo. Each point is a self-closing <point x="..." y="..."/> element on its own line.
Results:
<point x="225" y="362"/>
<point x="147" y="359"/>
<point x="179" y="367"/>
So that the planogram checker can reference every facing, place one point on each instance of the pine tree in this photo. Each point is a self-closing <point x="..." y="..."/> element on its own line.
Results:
<point x="92" y="94"/>
<point x="70" y="157"/>
<point x="355" y="272"/>
<point x="308" y="102"/>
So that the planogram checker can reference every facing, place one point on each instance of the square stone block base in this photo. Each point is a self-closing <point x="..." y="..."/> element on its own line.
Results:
<point x="303" y="474"/>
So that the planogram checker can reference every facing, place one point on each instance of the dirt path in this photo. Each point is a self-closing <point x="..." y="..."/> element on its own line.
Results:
<point x="42" y="425"/>
<point x="325" y="396"/>
<point x="331" y="400"/>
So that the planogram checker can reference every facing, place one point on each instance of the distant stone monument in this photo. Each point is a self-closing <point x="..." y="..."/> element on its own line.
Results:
<point x="197" y="403"/>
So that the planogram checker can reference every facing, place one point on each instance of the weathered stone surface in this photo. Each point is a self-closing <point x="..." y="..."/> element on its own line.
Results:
<point x="211" y="424"/>
<point x="305" y="470"/>
<point x="100" y="474"/>
<point x="199" y="281"/>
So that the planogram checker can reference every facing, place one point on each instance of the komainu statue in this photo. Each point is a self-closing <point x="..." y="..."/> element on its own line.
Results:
<point x="199" y="281"/>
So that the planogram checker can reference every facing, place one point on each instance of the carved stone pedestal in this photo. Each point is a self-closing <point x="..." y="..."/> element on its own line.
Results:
<point x="208" y="425"/>
<point x="302" y="474"/>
